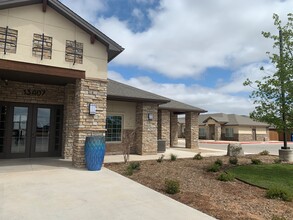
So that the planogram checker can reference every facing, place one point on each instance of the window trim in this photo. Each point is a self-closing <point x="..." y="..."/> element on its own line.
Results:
<point x="229" y="134"/>
<point x="122" y="128"/>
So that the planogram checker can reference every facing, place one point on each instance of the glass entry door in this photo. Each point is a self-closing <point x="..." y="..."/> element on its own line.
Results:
<point x="19" y="132"/>
<point x="42" y="130"/>
<point x="30" y="130"/>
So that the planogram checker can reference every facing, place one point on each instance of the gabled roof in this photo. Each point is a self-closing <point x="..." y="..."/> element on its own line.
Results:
<point x="113" y="48"/>
<point x="119" y="91"/>
<point x="230" y="119"/>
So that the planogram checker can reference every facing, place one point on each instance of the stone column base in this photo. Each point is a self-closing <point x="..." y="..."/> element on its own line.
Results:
<point x="286" y="155"/>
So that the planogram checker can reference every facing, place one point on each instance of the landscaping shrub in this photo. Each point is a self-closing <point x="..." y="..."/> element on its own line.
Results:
<point x="172" y="186"/>
<point x="214" y="168"/>
<point x="134" y="165"/>
<point x="275" y="217"/>
<point x="264" y="152"/>
<point x="198" y="157"/>
<point x="219" y="162"/>
<point x="226" y="177"/>
<point x="129" y="171"/>
<point x="277" y="160"/>
<point x="279" y="193"/>
<point x="160" y="159"/>
<point x="173" y="157"/>
<point x="256" y="161"/>
<point x="233" y="160"/>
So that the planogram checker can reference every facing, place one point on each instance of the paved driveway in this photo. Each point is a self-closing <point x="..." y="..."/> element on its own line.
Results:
<point x="52" y="189"/>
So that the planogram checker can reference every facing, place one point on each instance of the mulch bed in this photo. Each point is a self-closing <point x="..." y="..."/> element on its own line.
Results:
<point x="201" y="190"/>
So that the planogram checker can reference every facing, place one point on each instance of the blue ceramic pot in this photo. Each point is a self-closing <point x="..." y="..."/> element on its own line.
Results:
<point x="94" y="152"/>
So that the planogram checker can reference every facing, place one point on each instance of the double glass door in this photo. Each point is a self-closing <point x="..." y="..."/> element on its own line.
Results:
<point x="29" y="130"/>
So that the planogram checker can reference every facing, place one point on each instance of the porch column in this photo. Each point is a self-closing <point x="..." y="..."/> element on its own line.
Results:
<point x="191" y="130"/>
<point x="174" y="129"/>
<point x="86" y="92"/>
<point x="207" y="129"/>
<point x="164" y="126"/>
<point x="147" y="128"/>
<point x="68" y="121"/>
<point x="218" y="132"/>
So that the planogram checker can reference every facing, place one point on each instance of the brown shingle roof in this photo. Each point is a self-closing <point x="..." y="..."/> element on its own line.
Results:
<point x="231" y="119"/>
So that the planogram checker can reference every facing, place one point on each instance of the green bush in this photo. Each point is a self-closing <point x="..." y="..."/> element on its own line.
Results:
<point x="173" y="157"/>
<point x="233" y="160"/>
<point x="160" y="159"/>
<point x="279" y="193"/>
<point x="264" y="152"/>
<point x="277" y="160"/>
<point x="219" y="162"/>
<point x="172" y="186"/>
<point x="214" y="168"/>
<point x="275" y="217"/>
<point x="256" y="161"/>
<point x="134" y="165"/>
<point x="129" y="171"/>
<point x="198" y="157"/>
<point x="226" y="177"/>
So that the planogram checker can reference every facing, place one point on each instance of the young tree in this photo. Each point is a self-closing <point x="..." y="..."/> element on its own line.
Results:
<point x="273" y="94"/>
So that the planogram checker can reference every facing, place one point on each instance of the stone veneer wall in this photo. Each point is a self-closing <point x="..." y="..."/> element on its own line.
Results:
<point x="14" y="92"/>
<point x="88" y="91"/>
<point x="68" y="121"/>
<point x="164" y="126"/>
<point x="262" y="137"/>
<point x="128" y="140"/>
<point x="174" y="129"/>
<point x="146" y="131"/>
<point x="191" y="130"/>
<point x="218" y="131"/>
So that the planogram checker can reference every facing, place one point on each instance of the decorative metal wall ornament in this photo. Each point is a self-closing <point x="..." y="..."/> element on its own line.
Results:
<point x="42" y="46"/>
<point x="8" y="40"/>
<point x="74" y="52"/>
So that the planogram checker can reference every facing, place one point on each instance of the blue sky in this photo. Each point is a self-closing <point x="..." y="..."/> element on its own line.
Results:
<point x="194" y="51"/>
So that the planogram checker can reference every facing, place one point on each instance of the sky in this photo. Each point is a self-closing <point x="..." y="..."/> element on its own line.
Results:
<point x="195" y="51"/>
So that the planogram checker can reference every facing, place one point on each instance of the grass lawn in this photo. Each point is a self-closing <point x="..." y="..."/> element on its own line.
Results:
<point x="266" y="175"/>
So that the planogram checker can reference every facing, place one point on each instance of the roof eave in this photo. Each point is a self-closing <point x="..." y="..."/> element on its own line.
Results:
<point x="134" y="99"/>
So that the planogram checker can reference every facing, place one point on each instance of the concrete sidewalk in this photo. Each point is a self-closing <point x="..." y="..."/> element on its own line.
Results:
<point x="52" y="189"/>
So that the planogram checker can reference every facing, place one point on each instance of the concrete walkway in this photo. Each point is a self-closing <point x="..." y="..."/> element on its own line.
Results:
<point x="52" y="189"/>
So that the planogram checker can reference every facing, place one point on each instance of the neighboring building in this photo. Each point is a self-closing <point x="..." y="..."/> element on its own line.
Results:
<point x="53" y="89"/>
<point x="231" y="127"/>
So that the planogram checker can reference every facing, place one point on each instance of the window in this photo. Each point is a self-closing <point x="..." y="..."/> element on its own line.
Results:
<point x="202" y="132"/>
<point x="42" y="46"/>
<point x="73" y="52"/>
<point x="114" y="128"/>
<point x="8" y="40"/>
<point x="229" y="132"/>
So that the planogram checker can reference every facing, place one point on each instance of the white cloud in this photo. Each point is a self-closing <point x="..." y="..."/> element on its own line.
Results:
<point x="188" y="36"/>
<point x="251" y="71"/>
<point x="213" y="100"/>
<point x="137" y="13"/>
<point x="87" y="9"/>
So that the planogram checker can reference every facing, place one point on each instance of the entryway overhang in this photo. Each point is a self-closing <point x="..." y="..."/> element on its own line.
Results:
<point x="36" y="73"/>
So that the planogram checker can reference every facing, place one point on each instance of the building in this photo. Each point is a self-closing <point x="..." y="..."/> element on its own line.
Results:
<point x="231" y="127"/>
<point x="54" y="89"/>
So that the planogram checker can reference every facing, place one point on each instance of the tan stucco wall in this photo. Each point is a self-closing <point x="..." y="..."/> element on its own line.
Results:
<point x="126" y="109"/>
<point x="248" y="130"/>
<point x="31" y="19"/>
